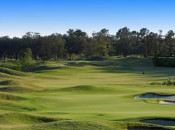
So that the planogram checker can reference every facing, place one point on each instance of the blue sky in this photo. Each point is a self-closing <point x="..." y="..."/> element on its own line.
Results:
<point x="57" y="16"/>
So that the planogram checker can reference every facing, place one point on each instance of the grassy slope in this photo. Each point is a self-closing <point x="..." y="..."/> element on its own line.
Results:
<point x="84" y="91"/>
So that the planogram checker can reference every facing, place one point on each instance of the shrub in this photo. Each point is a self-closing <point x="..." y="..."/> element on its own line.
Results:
<point x="169" y="82"/>
<point x="96" y="58"/>
<point x="164" y="61"/>
<point x="25" y="60"/>
<point x="155" y="83"/>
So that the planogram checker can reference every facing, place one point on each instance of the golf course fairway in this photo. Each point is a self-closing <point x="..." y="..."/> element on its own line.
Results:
<point x="85" y="95"/>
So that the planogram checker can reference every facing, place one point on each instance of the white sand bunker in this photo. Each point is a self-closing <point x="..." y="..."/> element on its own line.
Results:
<point x="156" y="96"/>
<point x="163" y="122"/>
<point x="161" y="98"/>
<point x="167" y="102"/>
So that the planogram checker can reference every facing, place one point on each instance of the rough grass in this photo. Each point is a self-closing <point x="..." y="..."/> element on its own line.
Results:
<point x="16" y="106"/>
<point x="17" y="120"/>
<point x="9" y="64"/>
<point x="7" y="82"/>
<point x="7" y="96"/>
<point x="17" y="85"/>
<point x="89" y="125"/>
<point x="11" y="72"/>
<point x="16" y="88"/>
<point x="13" y="118"/>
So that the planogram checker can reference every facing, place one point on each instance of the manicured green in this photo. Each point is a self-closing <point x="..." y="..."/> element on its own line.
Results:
<point x="83" y="94"/>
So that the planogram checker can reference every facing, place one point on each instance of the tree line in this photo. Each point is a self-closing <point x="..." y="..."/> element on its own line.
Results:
<point x="78" y="43"/>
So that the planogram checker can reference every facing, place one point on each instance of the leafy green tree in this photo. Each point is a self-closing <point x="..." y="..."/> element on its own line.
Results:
<point x="76" y="41"/>
<point x="123" y="41"/>
<point x="26" y="59"/>
<point x="160" y="43"/>
<point x="142" y="35"/>
<point x="170" y="43"/>
<point x="5" y="47"/>
<point x="150" y="48"/>
<point x="57" y="45"/>
<point x="134" y="43"/>
<point x="17" y="47"/>
<point x="101" y="42"/>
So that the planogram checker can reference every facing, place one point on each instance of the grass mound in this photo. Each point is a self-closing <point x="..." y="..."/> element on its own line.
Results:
<point x="16" y="88"/>
<point x="16" y="106"/>
<point x="74" y="125"/>
<point x="7" y="96"/>
<point x="80" y="88"/>
<point x="11" y="72"/>
<point x="43" y="68"/>
<point x="84" y="89"/>
<point x="7" y="82"/>
<point x="3" y="75"/>
<point x="17" y="118"/>
<point x="87" y="125"/>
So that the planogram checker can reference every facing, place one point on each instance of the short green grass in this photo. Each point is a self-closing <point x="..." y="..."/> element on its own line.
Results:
<point x="83" y="94"/>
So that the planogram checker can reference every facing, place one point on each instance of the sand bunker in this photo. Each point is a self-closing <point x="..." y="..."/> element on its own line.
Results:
<point x="163" y="98"/>
<point x="155" y="95"/>
<point x="167" y="102"/>
<point x="163" y="122"/>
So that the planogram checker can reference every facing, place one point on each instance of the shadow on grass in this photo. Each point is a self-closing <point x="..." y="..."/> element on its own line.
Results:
<point x="142" y="66"/>
<point x="111" y="62"/>
<point x="43" y="68"/>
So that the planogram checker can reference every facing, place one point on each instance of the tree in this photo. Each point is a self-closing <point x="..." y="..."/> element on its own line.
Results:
<point x="76" y="41"/>
<point x="16" y="45"/>
<point x="123" y="41"/>
<point x="151" y="46"/>
<point x="57" y="45"/>
<point x="170" y="45"/>
<point x="31" y="40"/>
<point x="5" y="47"/>
<point x="143" y="33"/>
<point x="160" y="42"/>
<point x="101" y="42"/>
<point x="134" y="43"/>
<point x="26" y="59"/>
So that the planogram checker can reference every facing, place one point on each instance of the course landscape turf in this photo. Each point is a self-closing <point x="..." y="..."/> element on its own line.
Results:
<point x="85" y="95"/>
